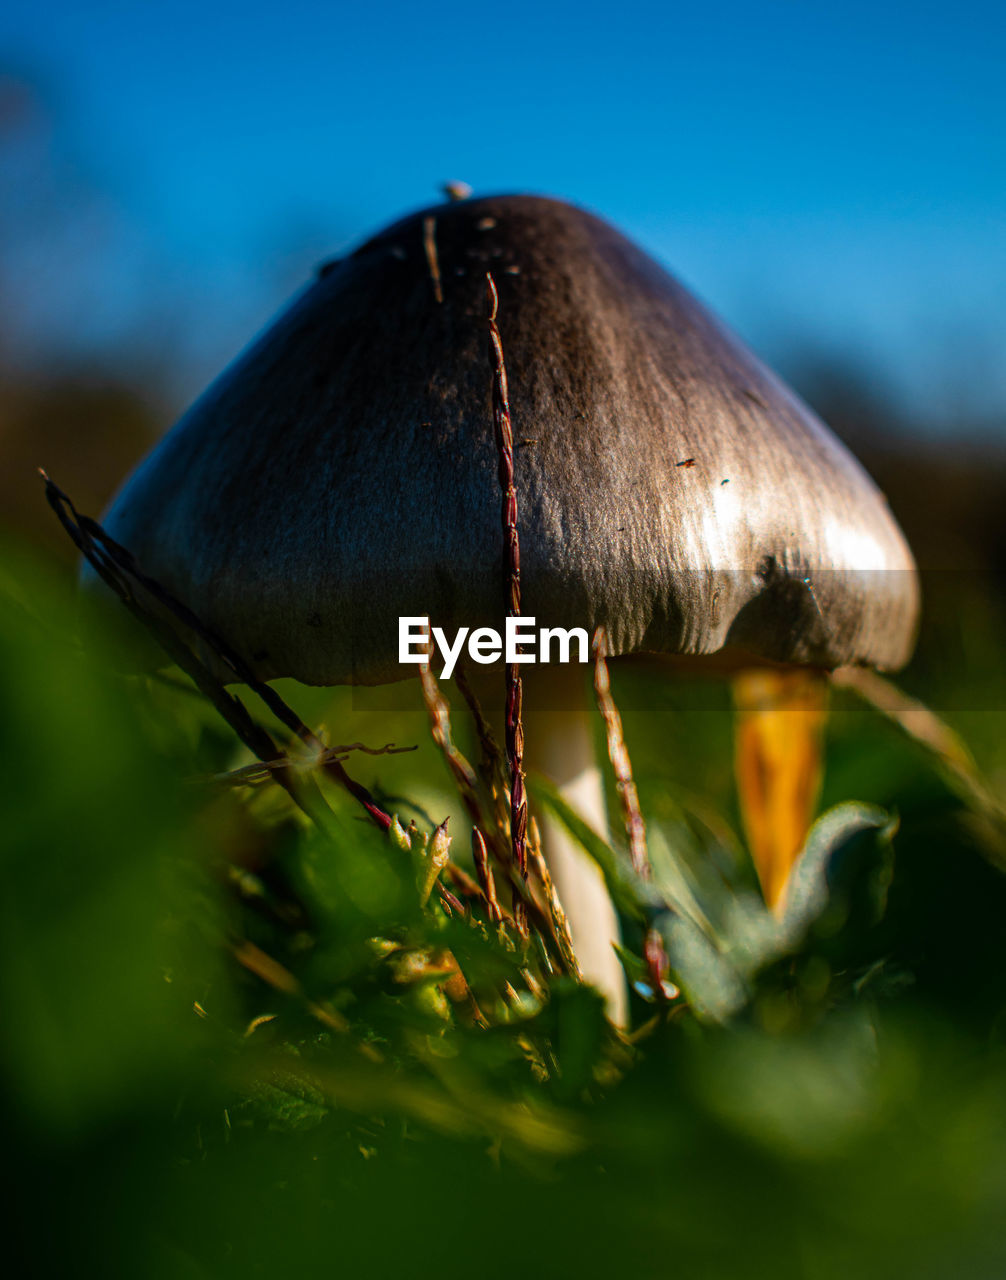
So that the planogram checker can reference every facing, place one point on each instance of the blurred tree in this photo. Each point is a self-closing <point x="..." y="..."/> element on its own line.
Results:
<point x="947" y="491"/>
<point x="67" y="401"/>
<point x="88" y="430"/>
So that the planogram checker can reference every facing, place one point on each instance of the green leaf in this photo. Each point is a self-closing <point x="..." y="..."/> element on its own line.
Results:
<point x="103" y="925"/>
<point x="712" y="983"/>
<point x="843" y="870"/>
<point x="844" y="859"/>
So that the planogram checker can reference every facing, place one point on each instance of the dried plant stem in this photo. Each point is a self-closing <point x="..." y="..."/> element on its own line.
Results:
<point x="492" y="766"/>
<point x="440" y="727"/>
<point x="635" y="827"/>
<point x="560" y="925"/>
<point x="461" y="771"/>
<point x="492" y="838"/>
<point x="251" y="775"/>
<point x="470" y="888"/>
<point x="485" y="876"/>
<point x="275" y="975"/>
<point x="254" y="737"/>
<point x="117" y="567"/>
<point x="914" y="718"/>
<point x="503" y="430"/>
<point x="925" y="727"/>
<point x="658" y="966"/>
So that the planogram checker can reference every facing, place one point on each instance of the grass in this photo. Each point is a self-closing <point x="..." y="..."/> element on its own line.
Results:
<point x="238" y="1042"/>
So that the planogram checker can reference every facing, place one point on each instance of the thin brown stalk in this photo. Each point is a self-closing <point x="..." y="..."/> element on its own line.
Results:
<point x="925" y="727"/>
<point x="485" y="876"/>
<point x="492" y="766"/>
<point x="635" y="827"/>
<point x="461" y="771"/>
<point x="472" y="892"/>
<point x="254" y="737"/>
<point x="466" y="784"/>
<point x="914" y="718"/>
<point x="250" y="775"/>
<point x="658" y="966"/>
<point x="275" y="975"/>
<point x="557" y="917"/>
<point x="119" y="569"/>
<point x="503" y="431"/>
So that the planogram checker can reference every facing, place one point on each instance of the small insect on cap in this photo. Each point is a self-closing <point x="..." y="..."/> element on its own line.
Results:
<point x="342" y="472"/>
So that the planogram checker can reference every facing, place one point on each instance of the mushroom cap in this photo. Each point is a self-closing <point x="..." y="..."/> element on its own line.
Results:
<point x="341" y="473"/>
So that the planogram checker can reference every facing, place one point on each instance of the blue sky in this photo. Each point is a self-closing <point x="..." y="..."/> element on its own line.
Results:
<point x="826" y="175"/>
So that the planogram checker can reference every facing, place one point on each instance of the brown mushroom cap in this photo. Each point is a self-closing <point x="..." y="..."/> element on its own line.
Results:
<point x="342" y="472"/>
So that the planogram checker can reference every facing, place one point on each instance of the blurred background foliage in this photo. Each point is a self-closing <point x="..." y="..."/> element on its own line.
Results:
<point x="815" y="1106"/>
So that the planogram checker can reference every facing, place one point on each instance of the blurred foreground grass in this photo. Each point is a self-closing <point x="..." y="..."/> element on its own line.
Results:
<point x="825" y="1103"/>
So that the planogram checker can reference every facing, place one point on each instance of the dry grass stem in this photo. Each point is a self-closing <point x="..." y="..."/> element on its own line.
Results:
<point x="273" y="974"/>
<point x="914" y="718"/>
<point x="119" y="570"/>
<point x="503" y="431"/>
<point x="492" y="765"/>
<point x="484" y="872"/>
<point x="635" y="827"/>
<point x="253" y="774"/>
<point x="466" y="782"/>
<point x="556" y="915"/>
<point x="658" y="966"/>
<point x="926" y="728"/>
<point x="438" y="709"/>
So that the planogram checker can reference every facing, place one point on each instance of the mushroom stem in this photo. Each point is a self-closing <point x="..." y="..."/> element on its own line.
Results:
<point x="780" y="720"/>
<point x="560" y="744"/>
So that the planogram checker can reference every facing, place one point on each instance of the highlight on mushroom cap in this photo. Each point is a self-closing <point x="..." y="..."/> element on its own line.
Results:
<point x="339" y="474"/>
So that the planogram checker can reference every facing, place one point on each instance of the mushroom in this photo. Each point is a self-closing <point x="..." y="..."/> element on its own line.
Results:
<point x="341" y="474"/>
